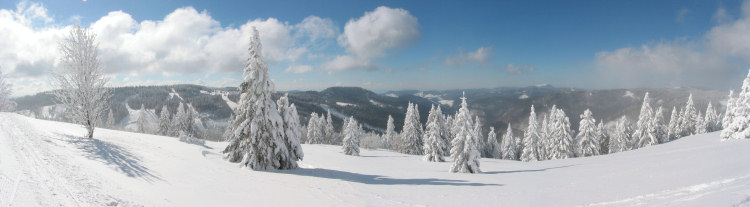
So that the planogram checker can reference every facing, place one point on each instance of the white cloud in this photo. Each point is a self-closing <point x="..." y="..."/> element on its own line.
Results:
<point x="347" y="62"/>
<point x="185" y="41"/>
<point x="518" y="69"/>
<point x="480" y="56"/>
<point x="298" y="69"/>
<point x="317" y="28"/>
<point x="372" y="35"/>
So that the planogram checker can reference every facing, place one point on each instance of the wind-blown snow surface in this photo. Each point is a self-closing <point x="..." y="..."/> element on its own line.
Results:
<point x="44" y="163"/>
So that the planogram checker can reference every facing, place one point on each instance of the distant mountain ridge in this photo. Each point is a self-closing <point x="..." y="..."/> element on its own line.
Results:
<point x="495" y="107"/>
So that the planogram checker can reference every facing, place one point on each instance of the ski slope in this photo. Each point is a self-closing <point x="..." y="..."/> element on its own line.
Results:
<point x="44" y="163"/>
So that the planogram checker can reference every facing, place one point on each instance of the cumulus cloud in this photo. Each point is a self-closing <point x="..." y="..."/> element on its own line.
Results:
<point x="185" y="41"/>
<point x="372" y="35"/>
<point x="480" y="56"/>
<point x="347" y="62"/>
<point x="718" y="56"/>
<point x="298" y="69"/>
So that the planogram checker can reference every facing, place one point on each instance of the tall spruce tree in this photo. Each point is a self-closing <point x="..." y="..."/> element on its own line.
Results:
<point x="464" y="146"/>
<point x="688" y="118"/>
<point x="588" y="136"/>
<point x="291" y="128"/>
<point x="257" y="138"/>
<point x="531" y="139"/>
<point x="642" y="136"/>
<point x="434" y="144"/>
<point x="141" y="121"/>
<point x="330" y="134"/>
<point x="351" y="137"/>
<point x="411" y="136"/>
<point x="740" y="126"/>
<point x="164" y="121"/>
<point x="493" y="145"/>
<point x="390" y="134"/>
<point x="729" y="111"/>
<point x="673" y="129"/>
<point x="509" y="145"/>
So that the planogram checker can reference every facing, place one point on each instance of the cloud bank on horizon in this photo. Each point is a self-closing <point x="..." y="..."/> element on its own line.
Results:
<point x="191" y="46"/>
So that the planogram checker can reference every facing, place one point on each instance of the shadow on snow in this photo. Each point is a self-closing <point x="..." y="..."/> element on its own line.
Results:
<point x="377" y="179"/>
<point x="112" y="155"/>
<point x="522" y="171"/>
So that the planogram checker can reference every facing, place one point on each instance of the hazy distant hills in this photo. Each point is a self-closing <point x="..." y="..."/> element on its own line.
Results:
<point x="496" y="107"/>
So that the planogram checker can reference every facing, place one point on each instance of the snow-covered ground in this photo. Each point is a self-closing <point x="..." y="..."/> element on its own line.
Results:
<point x="44" y="163"/>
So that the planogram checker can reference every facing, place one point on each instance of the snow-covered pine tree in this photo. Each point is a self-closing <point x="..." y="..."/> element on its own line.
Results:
<point x="449" y="127"/>
<point x="177" y="126"/>
<point x="464" y="146"/>
<point x="603" y="138"/>
<point x="6" y="89"/>
<point x="563" y="146"/>
<point x="544" y="138"/>
<point x="700" y="124"/>
<point x="478" y="132"/>
<point x="141" y="121"/>
<point x="111" y="120"/>
<point x="314" y="130"/>
<point x="641" y="136"/>
<point x="351" y="137"/>
<point x="330" y="134"/>
<point x="673" y="129"/>
<point x="740" y="126"/>
<point x="688" y="118"/>
<point x="164" y="121"/>
<point x="712" y="121"/>
<point x="531" y="139"/>
<point x="445" y="133"/>
<point x="291" y="130"/>
<point x="658" y="128"/>
<point x="588" y="136"/>
<point x="729" y="111"/>
<point x="493" y="145"/>
<point x="509" y="145"/>
<point x="257" y="139"/>
<point x="621" y="139"/>
<point x="434" y="144"/>
<point x="82" y="82"/>
<point x="411" y="135"/>
<point x="390" y="134"/>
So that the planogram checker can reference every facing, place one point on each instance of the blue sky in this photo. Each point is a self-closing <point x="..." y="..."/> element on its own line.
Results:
<point x="391" y="45"/>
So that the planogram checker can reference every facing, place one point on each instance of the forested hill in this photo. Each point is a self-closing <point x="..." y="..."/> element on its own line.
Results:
<point x="495" y="107"/>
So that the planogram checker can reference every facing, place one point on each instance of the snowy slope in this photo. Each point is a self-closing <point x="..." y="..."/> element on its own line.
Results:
<point x="43" y="163"/>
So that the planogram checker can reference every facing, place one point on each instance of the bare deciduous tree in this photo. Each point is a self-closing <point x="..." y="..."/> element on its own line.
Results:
<point x="81" y="82"/>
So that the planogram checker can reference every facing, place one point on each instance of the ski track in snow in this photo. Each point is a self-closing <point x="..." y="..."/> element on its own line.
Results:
<point x="680" y="196"/>
<point x="44" y="175"/>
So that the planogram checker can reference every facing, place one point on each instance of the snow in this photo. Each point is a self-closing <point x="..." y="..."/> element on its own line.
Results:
<point x="345" y="104"/>
<point x="45" y="163"/>
<point x="446" y="102"/>
<point x="629" y="94"/>
<point x="524" y="96"/>
<point x="373" y="102"/>
<point x="392" y="95"/>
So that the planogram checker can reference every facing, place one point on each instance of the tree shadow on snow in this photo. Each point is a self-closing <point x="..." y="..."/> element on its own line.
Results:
<point x="112" y="155"/>
<point x="377" y="179"/>
<point x="521" y="171"/>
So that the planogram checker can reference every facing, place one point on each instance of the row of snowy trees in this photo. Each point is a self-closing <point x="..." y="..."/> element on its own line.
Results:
<point x="320" y="129"/>
<point x="736" y="120"/>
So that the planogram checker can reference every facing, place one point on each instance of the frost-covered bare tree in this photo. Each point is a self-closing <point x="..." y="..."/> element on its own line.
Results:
<point x="81" y="83"/>
<point x="5" y="90"/>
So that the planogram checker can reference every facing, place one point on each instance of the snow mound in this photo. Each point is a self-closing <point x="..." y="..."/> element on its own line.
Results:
<point x="46" y="163"/>
<point x="345" y="104"/>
